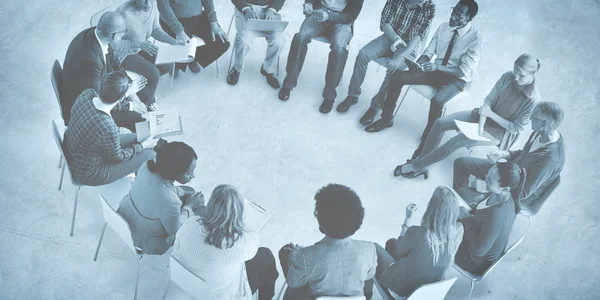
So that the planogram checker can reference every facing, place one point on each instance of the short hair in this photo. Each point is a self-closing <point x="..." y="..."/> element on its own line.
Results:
<point x="113" y="87"/>
<point x="472" y="7"/>
<point x="338" y="210"/>
<point x="552" y="112"/>
<point x="511" y="176"/>
<point x="172" y="160"/>
<point x="528" y="63"/>
<point x="108" y="21"/>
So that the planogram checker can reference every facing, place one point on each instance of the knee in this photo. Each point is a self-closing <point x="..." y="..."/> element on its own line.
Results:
<point x="244" y="36"/>
<point x="439" y="100"/>
<point x="278" y="41"/>
<point x="390" y="244"/>
<point x="302" y="38"/>
<point x="363" y="56"/>
<point x="460" y="162"/>
<point x="153" y="74"/>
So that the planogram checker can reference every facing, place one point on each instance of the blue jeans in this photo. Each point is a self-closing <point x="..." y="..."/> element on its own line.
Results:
<point x="339" y="35"/>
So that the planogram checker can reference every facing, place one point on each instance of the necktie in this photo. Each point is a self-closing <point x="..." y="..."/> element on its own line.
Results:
<point x="449" y="49"/>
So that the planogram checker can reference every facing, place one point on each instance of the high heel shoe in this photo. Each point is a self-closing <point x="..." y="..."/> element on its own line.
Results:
<point x="415" y="174"/>
<point x="398" y="169"/>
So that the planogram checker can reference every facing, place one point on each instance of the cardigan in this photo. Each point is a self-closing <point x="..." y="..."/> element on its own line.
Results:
<point x="172" y="10"/>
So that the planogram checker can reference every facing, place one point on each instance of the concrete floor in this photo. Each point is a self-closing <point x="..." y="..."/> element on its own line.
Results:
<point x="278" y="154"/>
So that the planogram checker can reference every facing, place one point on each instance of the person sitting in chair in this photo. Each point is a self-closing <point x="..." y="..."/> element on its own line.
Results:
<point x="155" y="208"/>
<point x="330" y="18"/>
<point x="490" y="220"/>
<point x="506" y="109"/>
<point x="97" y="154"/>
<point x="337" y="265"/>
<point x="256" y="9"/>
<point x="543" y="157"/>
<point x="457" y="47"/>
<point x="422" y="254"/>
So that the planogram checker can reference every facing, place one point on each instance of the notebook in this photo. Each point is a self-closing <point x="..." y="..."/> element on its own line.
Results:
<point x="470" y="130"/>
<point x="265" y="25"/>
<point x="255" y="217"/>
<point x="177" y="53"/>
<point x="159" y="124"/>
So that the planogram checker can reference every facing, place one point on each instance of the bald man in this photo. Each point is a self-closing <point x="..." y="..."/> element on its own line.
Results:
<point x="87" y="61"/>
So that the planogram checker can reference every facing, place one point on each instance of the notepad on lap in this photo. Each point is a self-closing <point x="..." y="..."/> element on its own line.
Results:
<point x="255" y="217"/>
<point x="159" y="124"/>
<point x="178" y="53"/>
<point x="265" y="25"/>
<point x="470" y="130"/>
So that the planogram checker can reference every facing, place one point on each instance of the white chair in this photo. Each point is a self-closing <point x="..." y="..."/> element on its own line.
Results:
<point x="283" y="288"/>
<point x="189" y="282"/>
<point x="256" y="34"/>
<point x="474" y="278"/>
<point x="121" y="227"/>
<point x="428" y="92"/>
<point x="432" y="291"/>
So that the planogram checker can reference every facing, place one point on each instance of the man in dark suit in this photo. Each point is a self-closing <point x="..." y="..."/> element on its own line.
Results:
<point x="88" y="60"/>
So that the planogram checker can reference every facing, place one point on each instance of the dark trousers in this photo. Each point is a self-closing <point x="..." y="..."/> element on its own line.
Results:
<point x="301" y="293"/>
<point x="339" y="34"/>
<point x="262" y="273"/>
<point x="463" y="168"/>
<point x="126" y="119"/>
<point x="142" y="63"/>
<point x="448" y="86"/>
<point x="200" y="27"/>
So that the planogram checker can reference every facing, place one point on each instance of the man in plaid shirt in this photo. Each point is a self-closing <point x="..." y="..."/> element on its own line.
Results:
<point x="96" y="153"/>
<point x="404" y="24"/>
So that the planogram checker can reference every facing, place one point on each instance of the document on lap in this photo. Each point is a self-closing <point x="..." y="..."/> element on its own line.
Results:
<point x="470" y="130"/>
<point x="178" y="53"/>
<point x="255" y="217"/>
<point x="159" y="124"/>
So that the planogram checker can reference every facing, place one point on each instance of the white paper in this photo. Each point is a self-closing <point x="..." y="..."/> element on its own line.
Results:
<point x="255" y="217"/>
<point x="177" y="53"/>
<point x="470" y="130"/>
<point x="164" y="123"/>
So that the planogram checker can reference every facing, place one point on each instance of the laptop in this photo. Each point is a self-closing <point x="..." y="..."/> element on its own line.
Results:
<point x="265" y="25"/>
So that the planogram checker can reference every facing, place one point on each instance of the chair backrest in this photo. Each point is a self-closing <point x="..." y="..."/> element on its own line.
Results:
<point x="433" y="291"/>
<point x="187" y="281"/>
<point x="118" y="224"/>
<point x="341" y="298"/>
<point x="55" y="78"/>
<point x="506" y="252"/>
<point x="58" y="139"/>
<point x="540" y="202"/>
<point x="96" y="17"/>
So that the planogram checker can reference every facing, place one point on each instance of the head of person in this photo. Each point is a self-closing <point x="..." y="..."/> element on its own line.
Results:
<point x="525" y="68"/>
<point x="440" y="220"/>
<point x="546" y="117"/>
<point x="224" y="221"/>
<point x="113" y="88"/>
<point x="175" y="161"/>
<point x="144" y="5"/>
<point x="463" y="13"/>
<point x="338" y="210"/>
<point x="506" y="177"/>
<point x="111" y="27"/>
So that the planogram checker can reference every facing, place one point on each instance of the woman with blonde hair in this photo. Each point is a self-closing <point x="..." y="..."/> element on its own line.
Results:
<point x="224" y="253"/>
<point x="506" y="110"/>
<point x="422" y="254"/>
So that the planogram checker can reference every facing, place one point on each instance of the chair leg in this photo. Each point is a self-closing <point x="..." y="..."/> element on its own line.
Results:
<point x="62" y="175"/>
<point x="60" y="162"/>
<point x="166" y="290"/>
<point x="444" y="112"/>
<point x="525" y="238"/>
<point x="137" y="279"/>
<point x="471" y="290"/>
<point x="75" y="209"/>
<point x="400" y="104"/>
<point x="282" y="290"/>
<point x="278" y="65"/>
<point x="100" y="241"/>
<point x="217" y="66"/>
<point x="173" y="75"/>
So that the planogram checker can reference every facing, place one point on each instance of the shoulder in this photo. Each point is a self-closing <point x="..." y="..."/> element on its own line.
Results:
<point x="429" y="6"/>
<point x="506" y="77"/>
<point x="416" y="230"/>
<point x="444" y="27"/>
<point x="363" y="246"/>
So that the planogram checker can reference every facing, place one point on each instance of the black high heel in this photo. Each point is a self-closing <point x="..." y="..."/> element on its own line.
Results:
<point x="415" y="174"/>
<point x="398" y="169"/>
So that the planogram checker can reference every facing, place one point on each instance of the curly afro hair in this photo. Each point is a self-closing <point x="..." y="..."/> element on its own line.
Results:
<point x="338" y="210"/>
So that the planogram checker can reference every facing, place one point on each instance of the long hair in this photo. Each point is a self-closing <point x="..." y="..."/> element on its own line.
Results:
<point x="224" y="220"/>
<point x="440" y="221"/>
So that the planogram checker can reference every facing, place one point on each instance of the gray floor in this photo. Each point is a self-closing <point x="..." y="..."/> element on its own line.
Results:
<point x="279" y="154"/>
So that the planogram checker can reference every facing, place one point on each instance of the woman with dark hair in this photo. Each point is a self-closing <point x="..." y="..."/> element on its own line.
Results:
<point x="155" y="208"/>
<point x="225" y="253"/>
<point x="317" y="270"/>
<point x="422" y="254"/>
<point x="489" y="223"/>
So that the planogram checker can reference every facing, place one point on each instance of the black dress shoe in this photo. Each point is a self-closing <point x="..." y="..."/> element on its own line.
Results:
<point x="326" y="106"/>
<point x="379" y="125"/>
<point x="271" y="78"/>
<point x="284" y="94"/>
<point x="345" y="105"/>
<point x="195" y="67"/>
<point x="233" y="76"/>
<point x="368" y="117"/>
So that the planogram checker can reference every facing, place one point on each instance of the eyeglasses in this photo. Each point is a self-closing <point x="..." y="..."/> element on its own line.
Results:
<point x="457" y="14"/>
<point x="124" y="31"/>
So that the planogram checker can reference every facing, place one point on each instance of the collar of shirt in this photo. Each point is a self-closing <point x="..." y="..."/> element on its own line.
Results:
<point x="102" y="46"/>
<point x="463" y="30"/>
